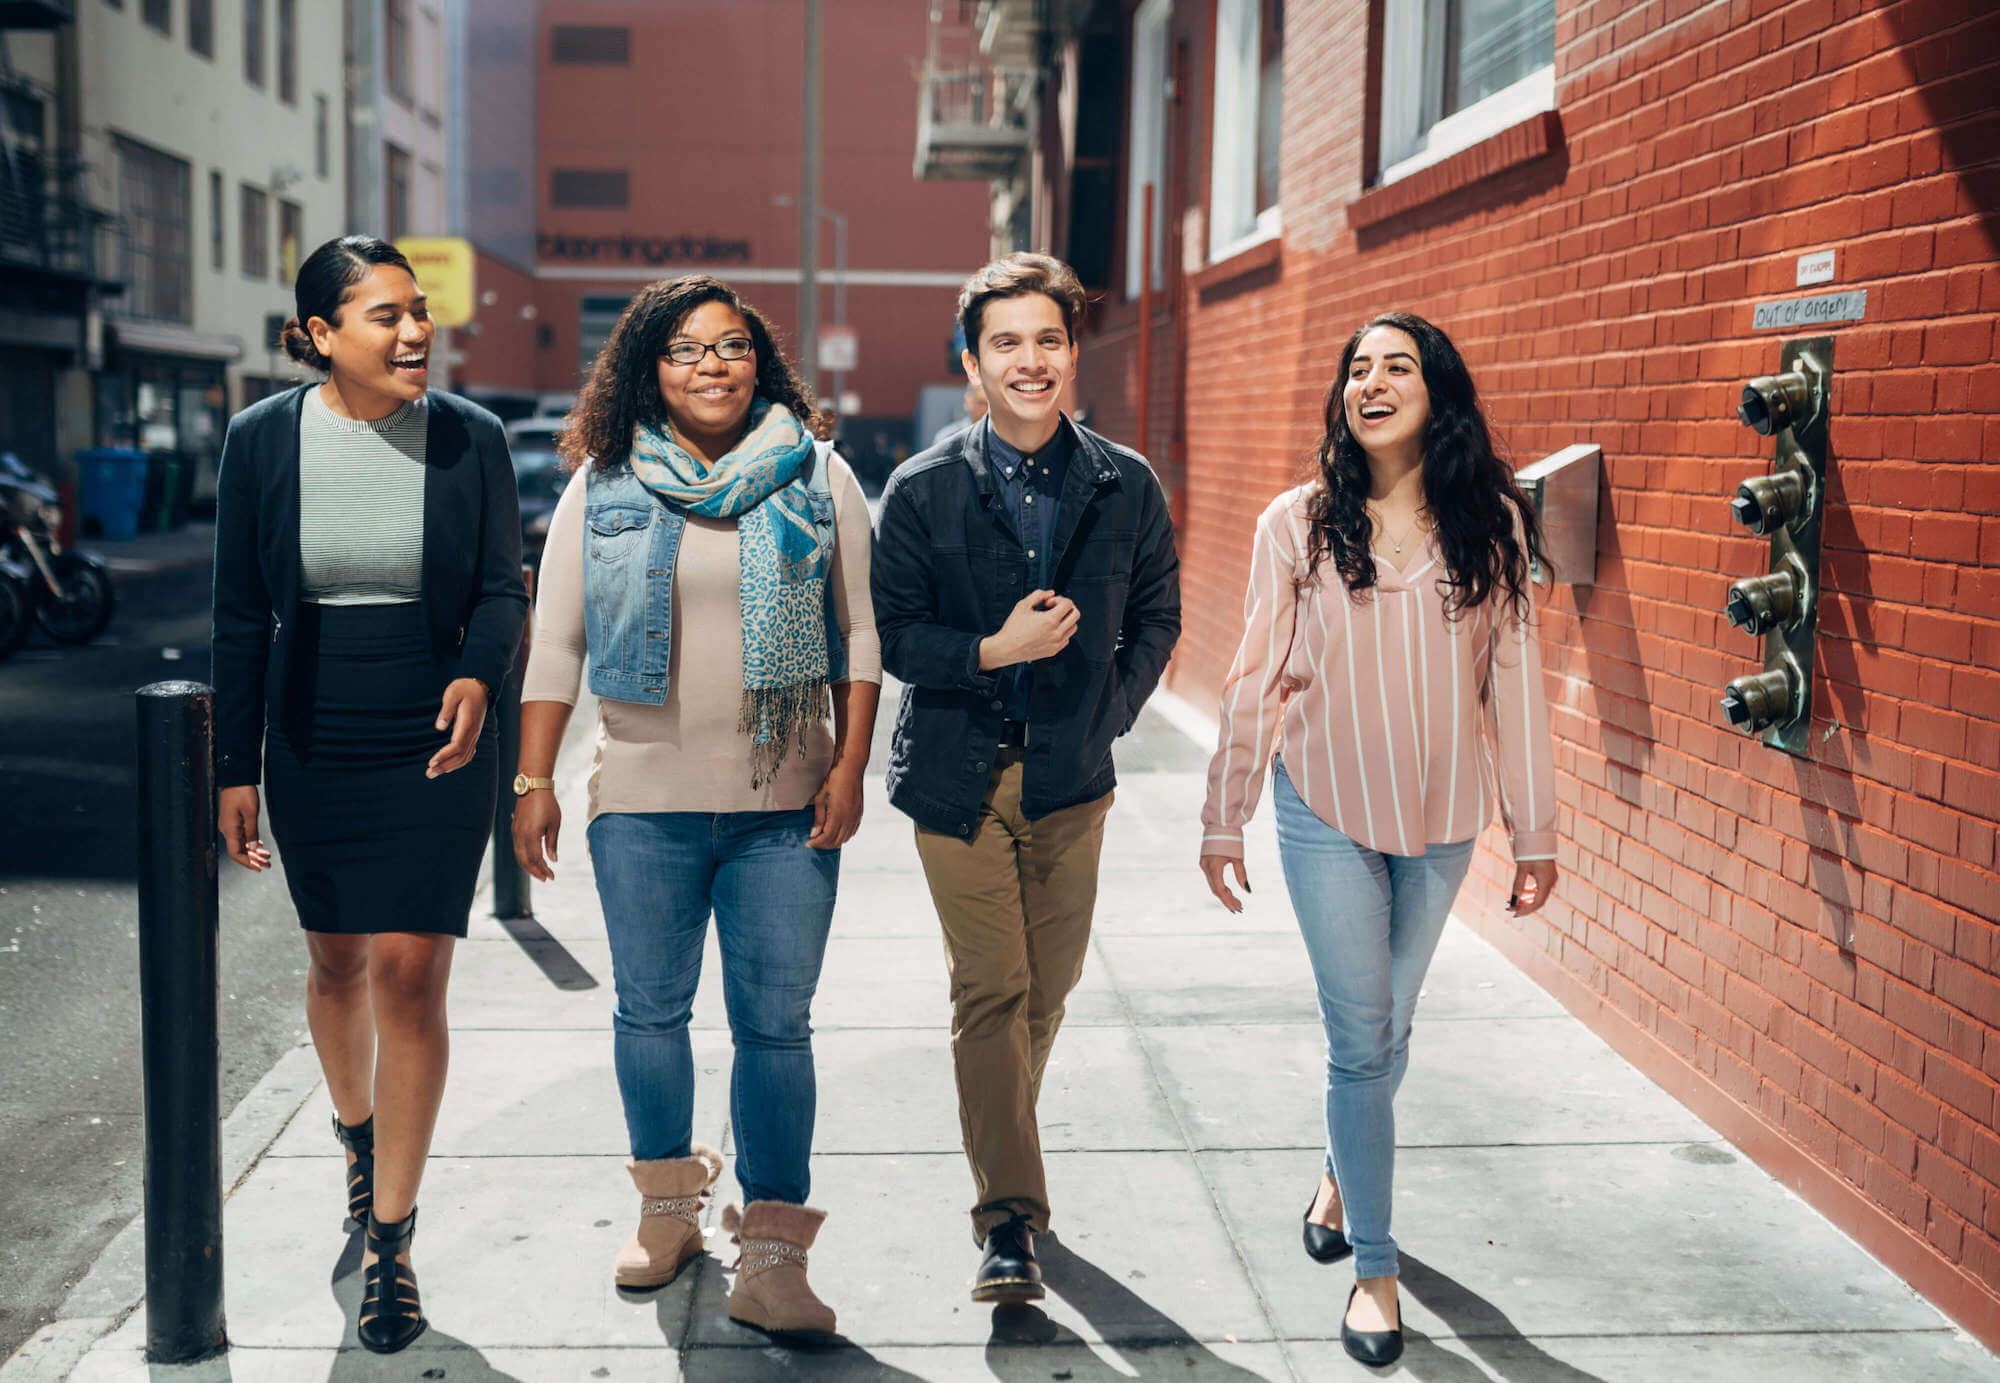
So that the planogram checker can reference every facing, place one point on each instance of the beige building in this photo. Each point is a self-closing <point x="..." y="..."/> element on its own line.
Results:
<point x="214" y="131"/>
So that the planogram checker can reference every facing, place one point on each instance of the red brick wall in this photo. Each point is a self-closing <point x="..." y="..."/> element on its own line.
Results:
<point x="1804" y="949"/>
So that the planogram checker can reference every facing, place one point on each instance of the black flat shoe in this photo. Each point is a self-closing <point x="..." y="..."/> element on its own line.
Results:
<point x="1324" y="1245"/>
<point x="359" y="1139"/>
<point x="391" y="1314"/>
<point x="1008" y="1271"/>
<point x="1375" y="1348"/>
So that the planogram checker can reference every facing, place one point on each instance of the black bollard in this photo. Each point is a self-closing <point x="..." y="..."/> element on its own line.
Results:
<point x="177" y="1018"/>
<point x="510" y="881"/>
<point x="511" y="897"/>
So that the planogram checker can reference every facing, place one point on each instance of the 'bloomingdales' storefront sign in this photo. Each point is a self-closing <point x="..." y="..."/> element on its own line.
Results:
<point x="642" y="249"/>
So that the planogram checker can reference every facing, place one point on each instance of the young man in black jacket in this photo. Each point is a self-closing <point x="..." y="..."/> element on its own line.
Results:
<point x="1027" y="590"/>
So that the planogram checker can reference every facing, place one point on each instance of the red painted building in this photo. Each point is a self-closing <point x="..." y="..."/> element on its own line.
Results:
<point x="665" y="135"/>
<point x="1594" y="197"/>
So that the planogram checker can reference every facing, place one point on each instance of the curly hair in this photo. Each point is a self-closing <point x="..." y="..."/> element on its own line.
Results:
<point x="623" y="390"/>
<point x="1468" y="488"/>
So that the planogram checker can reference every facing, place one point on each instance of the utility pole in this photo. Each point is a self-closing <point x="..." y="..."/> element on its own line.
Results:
<point x="809" y="209"/>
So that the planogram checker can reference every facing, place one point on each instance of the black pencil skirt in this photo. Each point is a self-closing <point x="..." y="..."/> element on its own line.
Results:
<point x="368" y="843"/>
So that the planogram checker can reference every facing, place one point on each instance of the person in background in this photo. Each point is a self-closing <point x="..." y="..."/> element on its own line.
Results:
<point x="368" y="607"/>
<point x="707" y="570"/>
<point x="1389" y="651"/>
<point x="1028" y="592"/>
<point x="975" y="409"/>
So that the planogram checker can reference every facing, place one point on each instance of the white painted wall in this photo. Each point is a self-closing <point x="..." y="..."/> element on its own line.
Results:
<point x="155" y="89"/>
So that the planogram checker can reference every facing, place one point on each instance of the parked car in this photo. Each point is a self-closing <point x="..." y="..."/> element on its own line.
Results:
<point x="540" y="477"/>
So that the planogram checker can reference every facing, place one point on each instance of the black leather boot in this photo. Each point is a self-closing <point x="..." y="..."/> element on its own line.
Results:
<point x="359" y="1139"/>
<point x="1008" y="1271"/>
<point x="391" y="1314"/>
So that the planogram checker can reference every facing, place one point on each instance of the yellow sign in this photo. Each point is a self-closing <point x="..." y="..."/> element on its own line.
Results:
<point x="444" y="272"/>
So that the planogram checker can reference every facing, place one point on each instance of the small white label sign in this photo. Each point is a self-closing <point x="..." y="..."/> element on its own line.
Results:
<point x="1816" y="268"/>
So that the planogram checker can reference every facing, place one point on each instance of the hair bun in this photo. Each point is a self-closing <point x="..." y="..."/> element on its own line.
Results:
<point x="299" y="346"/>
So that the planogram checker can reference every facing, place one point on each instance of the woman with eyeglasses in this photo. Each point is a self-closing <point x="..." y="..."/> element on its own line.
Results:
<point x="1389" y="651"/>
<point x="368" y="605"/>
<point x="707" y="573"/>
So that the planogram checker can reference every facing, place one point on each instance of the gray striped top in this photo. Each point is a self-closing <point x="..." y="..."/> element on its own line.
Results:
<point x="361" y="504"/>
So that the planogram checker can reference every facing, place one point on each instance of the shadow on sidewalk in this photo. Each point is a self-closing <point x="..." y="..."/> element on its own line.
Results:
<point x="1149" y="1343"/>
<point x="759" y="1357"/>
<point x="1479" y="1327"/>
<point x="353" y="1364"/>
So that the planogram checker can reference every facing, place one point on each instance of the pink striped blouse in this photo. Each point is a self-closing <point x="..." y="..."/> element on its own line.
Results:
<point x="1395" y="723"/>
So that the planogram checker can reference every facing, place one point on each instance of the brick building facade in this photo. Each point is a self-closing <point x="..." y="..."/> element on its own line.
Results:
<point x="1801" y="948"/>
<point x="667" y="140"/>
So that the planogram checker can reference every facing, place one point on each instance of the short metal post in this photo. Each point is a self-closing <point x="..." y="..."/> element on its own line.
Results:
<point x="512" y="896"/>
<point x="178" y="952"/>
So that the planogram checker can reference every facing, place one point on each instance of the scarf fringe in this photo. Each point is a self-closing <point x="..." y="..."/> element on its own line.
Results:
<point x="777" y="719"/>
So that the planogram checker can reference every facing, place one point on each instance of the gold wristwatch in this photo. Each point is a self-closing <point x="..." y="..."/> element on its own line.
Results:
<point x="523" y="784"/>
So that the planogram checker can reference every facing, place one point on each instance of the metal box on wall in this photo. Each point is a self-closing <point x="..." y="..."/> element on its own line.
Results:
<point x="1563" y="487"/>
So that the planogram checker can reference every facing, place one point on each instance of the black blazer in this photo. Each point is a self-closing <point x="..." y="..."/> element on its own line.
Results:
<point x="474" y="601"/>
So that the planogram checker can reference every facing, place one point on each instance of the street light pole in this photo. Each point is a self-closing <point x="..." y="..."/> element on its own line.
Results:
<point x="839" y="281"/>
<point x="809" y="207"/>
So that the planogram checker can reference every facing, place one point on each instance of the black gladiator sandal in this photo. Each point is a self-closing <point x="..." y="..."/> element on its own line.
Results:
<point x="391" y="1314"/>
<point x="359" y="1140"/>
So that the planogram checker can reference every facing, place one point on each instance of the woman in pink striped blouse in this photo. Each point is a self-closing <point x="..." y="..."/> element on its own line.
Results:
<point x="1389" y="650"/>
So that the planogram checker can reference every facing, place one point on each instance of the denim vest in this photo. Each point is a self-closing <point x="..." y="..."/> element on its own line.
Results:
<point x="630" y="535"/>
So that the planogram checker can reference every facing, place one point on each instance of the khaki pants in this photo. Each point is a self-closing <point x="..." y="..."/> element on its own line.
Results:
<point x="1015" y="901"/>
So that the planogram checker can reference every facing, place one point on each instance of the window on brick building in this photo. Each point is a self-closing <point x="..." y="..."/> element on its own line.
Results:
<point x="201" y="27"/>
<point x="1146" y="146"/>
<point x="153" y="197"/>
<point x="288" y="52"/>
<point x="1457" y="71"/>
<point x="253" y="42"/>
<point x="1249" y="86"/>
<point x="589" y="187"/>
<point x="596" y="44"/>
<point x="291" y="232"/>
<point x="322" y="138"/>
<point x="158" y="14"/>
<point x="255" y="232"/>
<point x="395" y="192"/>
<point x="215" y="221"/>
<point x="396" y="49"/>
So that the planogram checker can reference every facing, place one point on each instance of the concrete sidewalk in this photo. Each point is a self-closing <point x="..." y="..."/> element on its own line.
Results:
<point x="1562" y="1219"/>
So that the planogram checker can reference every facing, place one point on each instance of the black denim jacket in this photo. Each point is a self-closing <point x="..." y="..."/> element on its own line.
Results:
<point x="948" y="567"/>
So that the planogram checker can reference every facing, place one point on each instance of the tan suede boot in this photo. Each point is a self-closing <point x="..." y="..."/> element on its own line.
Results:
<point x="672" y="1191"/>
<point x="772" y="1293"/>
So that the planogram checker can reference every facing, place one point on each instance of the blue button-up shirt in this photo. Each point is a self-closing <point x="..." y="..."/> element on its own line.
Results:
<point x="1030" y="486"/>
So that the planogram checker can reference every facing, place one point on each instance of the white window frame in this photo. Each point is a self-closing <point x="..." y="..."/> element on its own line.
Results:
<point x="1235" y="223"/>
<point x="1412" y="68"/>
<point x="1146" y="145"/>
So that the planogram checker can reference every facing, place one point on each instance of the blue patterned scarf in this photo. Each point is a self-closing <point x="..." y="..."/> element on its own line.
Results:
<point x="786" y="660"/>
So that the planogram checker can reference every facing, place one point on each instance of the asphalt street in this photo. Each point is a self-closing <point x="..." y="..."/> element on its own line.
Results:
<point x="71" y="1133"/>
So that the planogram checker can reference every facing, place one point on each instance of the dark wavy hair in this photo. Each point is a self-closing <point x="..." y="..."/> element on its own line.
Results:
<point x="324" y="281"/>
<point x="623" y="390"/>
<point x="1468" y="488"/>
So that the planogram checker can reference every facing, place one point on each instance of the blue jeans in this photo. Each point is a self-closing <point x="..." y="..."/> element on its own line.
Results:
<point x="1371" y="924"/>
<point x="659" y="875"/>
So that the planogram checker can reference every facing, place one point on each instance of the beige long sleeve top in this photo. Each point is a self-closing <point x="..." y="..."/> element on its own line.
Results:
<point x="687" y="755"/>
<point x="1397" y="725"/>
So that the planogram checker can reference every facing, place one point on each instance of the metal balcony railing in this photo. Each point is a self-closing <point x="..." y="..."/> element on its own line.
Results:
<point x="48" y="222"/>
<point x="974" y="115"/>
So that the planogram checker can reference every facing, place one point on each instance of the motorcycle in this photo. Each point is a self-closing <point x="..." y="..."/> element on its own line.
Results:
<point x="68" y="593"/>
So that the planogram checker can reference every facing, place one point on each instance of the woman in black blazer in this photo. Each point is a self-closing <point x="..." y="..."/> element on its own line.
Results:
<point x="368" y="606"/>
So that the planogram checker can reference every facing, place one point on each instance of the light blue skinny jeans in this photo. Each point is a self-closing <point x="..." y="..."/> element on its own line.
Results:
<point x="659" y="876"/>
<point x="1371" y="924"/>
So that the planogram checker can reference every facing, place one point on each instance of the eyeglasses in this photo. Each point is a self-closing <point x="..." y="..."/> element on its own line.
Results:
<point x="691" y="352"/>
